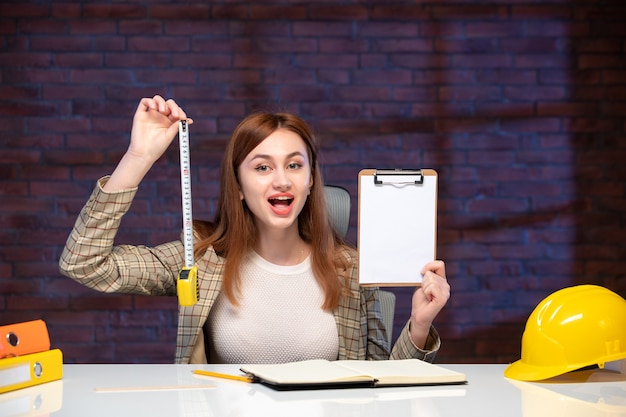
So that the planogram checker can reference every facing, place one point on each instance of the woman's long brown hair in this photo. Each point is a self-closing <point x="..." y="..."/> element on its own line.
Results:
<point x="233" y="233"/>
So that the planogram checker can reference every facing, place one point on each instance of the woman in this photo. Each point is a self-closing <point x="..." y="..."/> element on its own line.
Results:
<point x="276" y="283"/>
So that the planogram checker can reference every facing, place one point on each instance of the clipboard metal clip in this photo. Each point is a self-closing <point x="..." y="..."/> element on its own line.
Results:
<point x="398" y="176"/>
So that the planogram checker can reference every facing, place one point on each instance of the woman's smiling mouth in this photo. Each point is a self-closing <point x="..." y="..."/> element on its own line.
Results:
<point x="281" y="204"/>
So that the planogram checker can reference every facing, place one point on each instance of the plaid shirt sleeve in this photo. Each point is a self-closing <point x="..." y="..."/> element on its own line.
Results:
<point x="90" y="258"/>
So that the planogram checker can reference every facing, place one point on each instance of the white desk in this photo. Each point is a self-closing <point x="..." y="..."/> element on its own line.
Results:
<point x="488" y="393"/>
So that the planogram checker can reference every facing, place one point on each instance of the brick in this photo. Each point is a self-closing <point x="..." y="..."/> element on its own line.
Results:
<point x="465" y="93"/>
<point x="257" y="29"/>
<point x="603" y="93"/>
<point x="506" y="76"/>
<point x="544" y="124"/>
<point x="161" y="44"/>
<point x="388" y="30"/>
<point x="57" y="92"/>
<point x="340" y="45"/>
<point x="531" y="45"/>
<point x="322" y="29"/>
<point x="390" y="78"/>
<point x="332" y="12"/>
<point x="373" y="60"/>
<point x="188" y="60"/>
<point x="171" y="76"/>
<point x="416" y="61"/>
<point x="416" y="94"/>
<point x="79" y="60"/>
<point x="87" y="353"/>
<point x="360" y="93"/>
<point x="60" y="43"/>
<point x="542" y="12"/>
<point x="259" y="61"/>
<point x="8" y="27"/>
<point x="45" y="26"/>
<point x="26" y="109"/>
<point x="90" y="76"/>
<point x="102" y="302"/>
<point x="65" y="10"/>
<point x="26" y="59"/>
<point x="593" y="46"/>
<point x="302" y="94"/>
<point x="394" y="12"/>
<point x="482" y="61"/>
<point x="33" y="75"/>
<point x="35" y="303"/>
<point x="610" y="29"/>
<point x="114" y="11"/>
<point x="110" y="43"/>
<point x="482" y="45"/>
<point x="613" y="76"/>
<point x="498" y="205"/>
<point x="601" y="61"/>
<point x="464" y="12"/>
<point x="23" y="10"/>
<point x="192" y="11"/>
<point x="226" y="46"/>
<point x="25" y="205"/>
<point x="147" y="352"/>
<point x="282" y="12"/>
<point x="235" y="12"/>
<point x="16" y="286"/>
<point x="541" y="61"/>
<point x="91" y="27"/>
<point x="567" y="109"/>
<point x="465" y="125"/>
<point x="443" y="29"/>
<point x="396" y="125"/>
<point x="587" y="124"/>
<point x="494" y="29"/>
<point x="429" y="109"/>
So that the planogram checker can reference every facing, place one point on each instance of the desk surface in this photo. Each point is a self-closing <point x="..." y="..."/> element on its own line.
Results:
<point x="172" y="390"/>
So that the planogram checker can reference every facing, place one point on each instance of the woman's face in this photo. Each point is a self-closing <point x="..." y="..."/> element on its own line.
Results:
<point x="275" y="180"/>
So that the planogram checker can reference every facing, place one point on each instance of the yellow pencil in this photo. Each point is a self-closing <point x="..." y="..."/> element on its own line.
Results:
<point x="224" y="376"/>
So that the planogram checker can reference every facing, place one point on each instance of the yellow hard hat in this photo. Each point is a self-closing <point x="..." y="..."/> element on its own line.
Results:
<point x="571" y="329"/>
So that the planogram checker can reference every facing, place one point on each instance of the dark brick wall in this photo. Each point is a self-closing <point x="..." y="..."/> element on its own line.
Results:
<point x="519" y="105"/>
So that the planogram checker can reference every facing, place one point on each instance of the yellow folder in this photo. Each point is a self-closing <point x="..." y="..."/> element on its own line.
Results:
<point x="28" y="370"/>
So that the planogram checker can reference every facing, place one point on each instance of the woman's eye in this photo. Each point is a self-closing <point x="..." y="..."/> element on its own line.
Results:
<point x="262" y="168"/>
<point x="294" y="165"/>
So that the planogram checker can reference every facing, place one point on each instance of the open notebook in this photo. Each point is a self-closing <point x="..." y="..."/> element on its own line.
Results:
<point x="319" y="373"/>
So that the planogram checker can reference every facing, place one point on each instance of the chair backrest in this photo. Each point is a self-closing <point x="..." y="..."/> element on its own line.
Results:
<point x="338" y="206"/>
<point x="388" y="308"/>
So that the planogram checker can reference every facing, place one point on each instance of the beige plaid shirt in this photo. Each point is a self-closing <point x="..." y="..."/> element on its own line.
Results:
<point x="90" y="258"/>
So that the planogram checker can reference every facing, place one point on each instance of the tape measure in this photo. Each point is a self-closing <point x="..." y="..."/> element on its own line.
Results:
<point x="187" y="282"/>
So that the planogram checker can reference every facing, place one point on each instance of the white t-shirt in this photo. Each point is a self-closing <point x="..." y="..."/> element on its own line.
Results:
<point x="279" y="319"/>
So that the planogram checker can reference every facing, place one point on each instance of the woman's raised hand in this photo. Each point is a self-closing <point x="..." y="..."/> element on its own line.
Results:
<point x="155" y="126"/>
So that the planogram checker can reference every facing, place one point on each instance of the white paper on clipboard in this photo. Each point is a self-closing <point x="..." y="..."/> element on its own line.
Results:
<point x="397" y="232"/>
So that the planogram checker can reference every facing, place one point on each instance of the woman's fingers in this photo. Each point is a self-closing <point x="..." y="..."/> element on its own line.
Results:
<point x="168" y="108"/>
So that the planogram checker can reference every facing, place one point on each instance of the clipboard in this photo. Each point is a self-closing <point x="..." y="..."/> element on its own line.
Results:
<point x="397" y="229"/>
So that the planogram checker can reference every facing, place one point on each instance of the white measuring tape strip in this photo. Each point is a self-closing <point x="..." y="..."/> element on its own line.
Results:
<point x="187" y="283"/>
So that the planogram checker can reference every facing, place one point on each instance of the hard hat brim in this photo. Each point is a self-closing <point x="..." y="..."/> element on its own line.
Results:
<point x="525" y="372"/>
